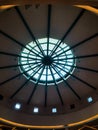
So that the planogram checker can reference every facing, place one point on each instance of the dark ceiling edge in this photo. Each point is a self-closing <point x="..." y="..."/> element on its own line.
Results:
<point x="69" y="2"/>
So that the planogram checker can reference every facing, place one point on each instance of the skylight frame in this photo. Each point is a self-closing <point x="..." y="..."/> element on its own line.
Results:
<point x="27" y="57"/>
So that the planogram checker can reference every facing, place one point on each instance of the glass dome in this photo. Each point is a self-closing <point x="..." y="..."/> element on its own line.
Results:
<point x="47" y="63"/>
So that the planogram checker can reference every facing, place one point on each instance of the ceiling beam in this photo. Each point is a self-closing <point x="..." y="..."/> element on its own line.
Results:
<point x="66" y="2"/>
<point x="78" y="44"/>
<point x="79" y="67"/>
<point x="48" y="26"/>
<point x="68" y="31"/>
<point x="66" y="83"/>
<point x="56" y="86"/>
<point x="36" y="84"/>
<point x="76" y="77"/>
<point x="46" y="87"/>
<point x="29" y="30"/>
<point x="20" y="44"/>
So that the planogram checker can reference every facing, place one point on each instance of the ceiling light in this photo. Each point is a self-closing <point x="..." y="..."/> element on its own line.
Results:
<point x="89" y="99"/>
<point x="35" y="110"/>
<point x="54" y="110"/>
<point x="17" y="106"/>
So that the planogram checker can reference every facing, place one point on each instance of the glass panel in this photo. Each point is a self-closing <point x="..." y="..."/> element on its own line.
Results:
<point x="59" y="59"/>
<point x="30" y="72"/>
<point x="50" y="77"/>
<point x="22" y="59"/>
<point x="25" y="50"/>
<point x="44" y="46"/>
<point x="51" y="40"/>
<point x="36" y="76"/>
<point x="42" y="40"/>
<point x="43" y="78"/>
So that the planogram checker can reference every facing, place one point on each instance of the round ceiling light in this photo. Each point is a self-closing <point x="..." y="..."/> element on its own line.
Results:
<point x="46" y="62"/>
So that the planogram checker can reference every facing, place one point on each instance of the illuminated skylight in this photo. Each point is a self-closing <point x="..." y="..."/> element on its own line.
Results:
<point x="46" y="63"/>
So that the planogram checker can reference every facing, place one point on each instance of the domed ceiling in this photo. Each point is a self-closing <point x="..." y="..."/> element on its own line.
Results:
<point x="49" y="57"/>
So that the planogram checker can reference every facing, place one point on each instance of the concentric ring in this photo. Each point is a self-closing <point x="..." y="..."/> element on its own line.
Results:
<point x="49" y="67"/>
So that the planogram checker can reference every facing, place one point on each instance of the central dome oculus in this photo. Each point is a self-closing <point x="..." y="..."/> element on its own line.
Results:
<point x="47" y="60"/>
<point x="44" y="62"/>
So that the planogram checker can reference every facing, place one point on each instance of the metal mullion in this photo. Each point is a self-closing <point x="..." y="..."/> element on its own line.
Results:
<point x="66" y="83"/>
<point x="36" y="85"/>
<point x="13" y="77"/>
<point x="62" y="62"/>
<point x="46" y="86"/>
<point x="69" y="30"/>
<point x="84" y="56"/>
<point x="66" y="54"/>
<point x="58" y="59"/>
<point x="88" y="69"/>
<point x="79" y="79"/>
<point x="28" y="66"/>
<point x="62" y="59"/>
<point x="56" y="86"/>
<point x="48" y="26"/>
<point x="15" y="55"/>
<point x="24" y="83"/>
<point x="36" y="51"/>
<point x="79" y="57"/>
<point x="60" y="51"/>
<point x="11" y="66"/>
<point x="60" y="65"/>
<point x="33" y="58"/>
<point x="29" y="53"/>
<point x="80" y="43"/>
<point x="29" y="30"/>
<point x="16" y="41"/>
<point x="62" y="56"/>
<point x="80" y="67"/>
<point x="25" y="60"/>
<point x="69" y="61"/>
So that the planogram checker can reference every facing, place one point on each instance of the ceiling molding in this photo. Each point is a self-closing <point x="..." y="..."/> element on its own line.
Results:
<point x="50" y="127"/>
<point x="89" y="8"/>
<point x="66" y="2"/>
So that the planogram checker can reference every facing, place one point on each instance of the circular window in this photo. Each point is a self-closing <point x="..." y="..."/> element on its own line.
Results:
<point x="47" y="62"/>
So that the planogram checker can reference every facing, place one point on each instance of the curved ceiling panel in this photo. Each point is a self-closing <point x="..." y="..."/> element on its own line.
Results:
<point x="58" y="70"/>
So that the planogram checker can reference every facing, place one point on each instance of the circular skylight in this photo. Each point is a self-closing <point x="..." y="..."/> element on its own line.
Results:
<point x="46" y="62"/>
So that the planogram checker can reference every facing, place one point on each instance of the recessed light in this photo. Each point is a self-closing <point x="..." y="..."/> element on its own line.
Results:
<point x="17" y="106"/>
<point x="1" y="97"/>
<point x="35" y="110"/>
<point x="54" y="110"/>
<point x="72" y="106"/>
<point x="89" y="99"/>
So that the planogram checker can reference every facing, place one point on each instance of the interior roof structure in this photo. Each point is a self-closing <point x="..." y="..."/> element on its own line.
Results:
<point x="70" y="2"/>
<point x="74" y="26"/>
